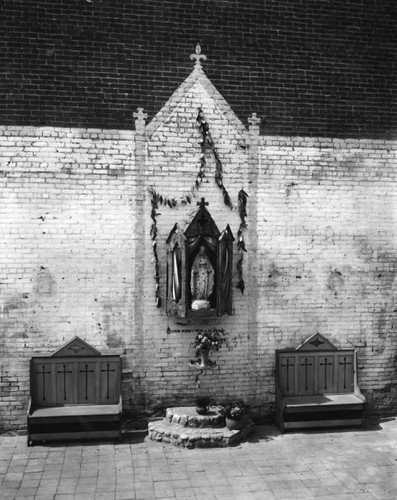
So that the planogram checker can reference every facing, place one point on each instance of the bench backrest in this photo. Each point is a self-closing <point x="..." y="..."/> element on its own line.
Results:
<point x="316" y="367"/>
<point x="75" y="376"/>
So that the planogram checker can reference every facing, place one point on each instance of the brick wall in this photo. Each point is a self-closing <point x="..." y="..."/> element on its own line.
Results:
<point x="67" y="224"/>
<point x="77" y="256"/>
<point x="76" y="253"/>
<point x="327" y="253"/>
<point x="308" y="68"/>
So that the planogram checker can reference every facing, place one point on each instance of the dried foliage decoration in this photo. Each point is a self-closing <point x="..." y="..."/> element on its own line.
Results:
<point x="208" y="143"/>
<point x="242" y="209"/>
<point x="153" y="234"/>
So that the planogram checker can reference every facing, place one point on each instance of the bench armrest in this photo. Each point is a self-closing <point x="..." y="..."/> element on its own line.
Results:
<point x="29" y="407"/>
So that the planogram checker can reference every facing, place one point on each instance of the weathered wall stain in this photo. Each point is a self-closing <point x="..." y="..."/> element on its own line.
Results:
<point x="335" y="282"/>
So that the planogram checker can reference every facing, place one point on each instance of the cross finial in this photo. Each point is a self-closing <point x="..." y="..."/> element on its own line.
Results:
<point x="198" y="55"/>
<point x="140" y="118"/>
<point x="202" y="203"/>
<point x="254" y="120"/>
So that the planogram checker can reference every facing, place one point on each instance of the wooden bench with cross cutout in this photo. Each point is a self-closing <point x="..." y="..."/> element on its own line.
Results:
<point x="316" y="386"/>
<point x="74" y="394"/>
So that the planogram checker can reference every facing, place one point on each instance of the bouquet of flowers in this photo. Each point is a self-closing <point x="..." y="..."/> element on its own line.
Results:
<point x="202" y="404"/>
<point x="234" y="411"/>
<point x="211" y="339"/>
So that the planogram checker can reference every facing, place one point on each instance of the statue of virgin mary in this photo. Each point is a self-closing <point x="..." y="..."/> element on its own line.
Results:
<point x="201" y="280"/>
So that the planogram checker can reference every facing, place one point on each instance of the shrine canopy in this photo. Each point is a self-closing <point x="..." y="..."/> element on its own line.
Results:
<point x="202" y="223"/>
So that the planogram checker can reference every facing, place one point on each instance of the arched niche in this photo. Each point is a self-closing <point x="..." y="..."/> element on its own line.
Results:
<point x="199" y="268"/>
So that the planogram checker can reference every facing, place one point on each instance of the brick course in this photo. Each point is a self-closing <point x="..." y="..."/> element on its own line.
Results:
<point x="308" y="68"/>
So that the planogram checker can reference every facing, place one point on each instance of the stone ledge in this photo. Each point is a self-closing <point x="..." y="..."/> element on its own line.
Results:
<point x="187" y="416"/>
<point x="196" y="437"/>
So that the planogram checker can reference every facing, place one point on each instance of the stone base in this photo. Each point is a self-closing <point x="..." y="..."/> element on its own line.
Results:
<point x="187" y="416"/>
<point x="184" y="427"/>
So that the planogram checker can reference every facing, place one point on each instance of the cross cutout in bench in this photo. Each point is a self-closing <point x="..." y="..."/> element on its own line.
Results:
<point x="107" y="371"/>
<point x="86" y="371"/>
<point x="344" y="364"/>
<point x="44" y="373"/>
<point x="306" y="364"/>
<point x="325" y="364"/>
<point x="288" y="366"/>
<point x="64" y="372"/>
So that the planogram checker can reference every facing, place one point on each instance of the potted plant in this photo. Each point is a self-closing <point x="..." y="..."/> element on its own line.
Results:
<point x="236" y="414"/>
<point x="202" y="404"/>
<point x="207" y="340"/>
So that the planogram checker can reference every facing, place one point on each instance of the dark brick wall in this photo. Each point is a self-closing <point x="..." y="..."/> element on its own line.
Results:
<point x="308" y="67"/>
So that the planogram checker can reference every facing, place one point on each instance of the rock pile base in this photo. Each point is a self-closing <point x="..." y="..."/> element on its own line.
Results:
<point x="183" y="426"/>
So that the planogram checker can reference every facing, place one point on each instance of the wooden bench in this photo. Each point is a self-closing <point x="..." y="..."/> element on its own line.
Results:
<point x="316" y="386"/>
<point x="74" y="394"/>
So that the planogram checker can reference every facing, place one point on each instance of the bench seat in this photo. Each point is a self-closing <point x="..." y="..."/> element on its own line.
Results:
<point x="62" y="412"/>
<point x="75" y="394"/>
<point x="316" y="386"/>
<point x="325" y="401"/>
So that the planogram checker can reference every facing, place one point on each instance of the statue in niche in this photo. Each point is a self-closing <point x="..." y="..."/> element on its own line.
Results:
<point x="176" y="274"/>
<point x="202" y="279"/>
<point x="199" y="268"/>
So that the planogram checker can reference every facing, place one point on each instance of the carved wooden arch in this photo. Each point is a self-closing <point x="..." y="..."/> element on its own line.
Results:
<point x="225" y="272"/>
<point x="202" y="224"/>
<point x="176" y="272"/>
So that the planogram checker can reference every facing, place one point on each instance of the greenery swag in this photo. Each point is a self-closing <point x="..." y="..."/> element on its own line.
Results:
<point x="153" y="234"/>
<point x="242" y="208"/>
<point x="209" y="143"/>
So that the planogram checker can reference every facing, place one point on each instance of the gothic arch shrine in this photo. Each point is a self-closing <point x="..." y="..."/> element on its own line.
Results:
<point x="199" y="268"/>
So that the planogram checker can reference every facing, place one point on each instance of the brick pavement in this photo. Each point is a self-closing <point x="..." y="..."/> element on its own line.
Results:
<point x="323" y="465"/>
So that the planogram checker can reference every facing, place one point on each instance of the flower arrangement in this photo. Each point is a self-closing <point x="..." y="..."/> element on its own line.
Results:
<point x="202" y="404"/>
<point x="203" y="401"/>
<point x="211" y="339"/>
<point x="234" y="411"/>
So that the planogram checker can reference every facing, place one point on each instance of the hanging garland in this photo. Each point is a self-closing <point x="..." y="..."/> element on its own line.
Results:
<point x="209" y="143"/>
<point x="242" y="209"/>
<point x="153" y="234"/>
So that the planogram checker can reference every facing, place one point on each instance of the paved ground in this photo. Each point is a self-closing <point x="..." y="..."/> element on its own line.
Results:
<point x="322" y="465"/>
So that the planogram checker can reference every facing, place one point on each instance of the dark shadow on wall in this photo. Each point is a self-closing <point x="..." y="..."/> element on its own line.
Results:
<point x="308" y="69"/>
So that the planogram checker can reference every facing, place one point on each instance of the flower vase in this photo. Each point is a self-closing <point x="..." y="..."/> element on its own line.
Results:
<point x="202" y="410"/>
<point x="236" y="425"/>
<point x="205" y="358"/>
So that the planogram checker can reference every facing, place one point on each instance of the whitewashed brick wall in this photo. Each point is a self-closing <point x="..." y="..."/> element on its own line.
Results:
<point x="327" y="252"/>
<point x="76" y="254"/>
<point x="67" y="225"/>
